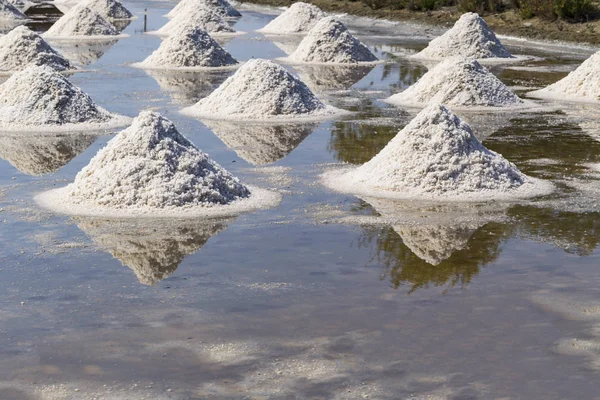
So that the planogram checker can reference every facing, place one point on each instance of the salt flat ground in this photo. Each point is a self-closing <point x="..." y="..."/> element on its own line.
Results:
<point x="327" y="296"/>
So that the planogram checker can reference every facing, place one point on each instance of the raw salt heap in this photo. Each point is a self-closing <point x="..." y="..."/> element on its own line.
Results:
<point x="299" y="18"/>
<point x="21" y="48"/>
<point x="457" y="83"/>
<point x="201" y="17"/>
<point x="261" y="90"/>
<point x="41" y="98"/>
<point x="81" y="22"/>
<point x="10" y="12"/>
<point x="470" y="37"/>
<point x="437" y="157"/>
<point x="583" y="84"/>
<point x="330" y="42"/>
<point x="108" y="9"/>
<point x="151" y="169"/>
<point x="221" y="7"/>
<point x="188" y="48"/>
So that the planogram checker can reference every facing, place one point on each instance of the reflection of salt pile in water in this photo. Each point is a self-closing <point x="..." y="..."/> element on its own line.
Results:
<point x="108" y="9"/>
<point x="260" y="144"/>
<point x="81" y="21"/>
<point x="332" y="77"/>
<point x="221" y="7"/>
<point x="152" y="249"/>
<point x="187" y="87"/>
<point x="583" y="84"/>
<point x="84" y="53"/>
<point x="10" y="12"/>
<point x="22" y="47"/>
<point x="201" y="17"/>
<point x="436" y="156"/>
<point x="457" y="83"/>
<point x="39" y="155"/>
<point x="470" y="37"/>
<point x="329" y="41"/>
<point x="188" y="48"/>
<point x="40" y="97"/>
<point x="261" y="90"/>
<point x="300" y="17"/>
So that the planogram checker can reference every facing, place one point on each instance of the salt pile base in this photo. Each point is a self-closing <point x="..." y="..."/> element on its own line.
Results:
<point x="262" y="90"/>
<point x="437" y="157"/>
<point x="581" y="85"/>
<point x="41" y="99"/>
<point x="329" y="42"/>
<point x="108" y="9"/>
<point x="457" y="83"/>
<point x="10" y="12"/>
<point x="470" y="37"/>
<point x="80" y="22"/>
<point x="189" y="48"/>
<point x="299" y="18"/>
<point x="221" y="7"/>
<point x="21" y="48"/>
<point x="202" y="17"/>
<point x="150" y="169"/>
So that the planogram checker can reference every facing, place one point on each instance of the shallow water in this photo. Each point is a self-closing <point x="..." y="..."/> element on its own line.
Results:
<point x="327" y="296"/>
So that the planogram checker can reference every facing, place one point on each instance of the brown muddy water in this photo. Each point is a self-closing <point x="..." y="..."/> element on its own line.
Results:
<point x="327" y="296"/>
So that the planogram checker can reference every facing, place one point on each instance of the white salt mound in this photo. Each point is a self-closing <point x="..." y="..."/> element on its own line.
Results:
<point x="300" y="17"/>
<point x="221" y="7"/>
<point x="41" y="97"/>
<point x="436" y="156"/>
<point x="457" y="83"/>
<point x="21" y="48"/>
<point x="329" y="41"/>
<point x="189" y="48"/>
<point x="583" y="84"/>
<point x="470" y="37"/>
<point x="10" y="12"/>
<point x="261" y="90"/>
<point x="81" y="21"/>
<point x="108" y="9"/>
<point x="201" y="17"/>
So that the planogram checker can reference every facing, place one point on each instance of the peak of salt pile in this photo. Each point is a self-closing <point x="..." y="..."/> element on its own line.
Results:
<point x="329" y="41"/>
<point x="202" y="17"/>
<point x="10" y="12"/>
<point x="470" y="37"/>
<point x="457" y="83"/>
<point x="189" y="48"/>
<point x="261" y="90"/>
<point x="298" y="18"/>
<point x="436" y="156"/>
<point x="221" y="7"/>
<point x="81" y="21"/>
<point x="108" y="9"/>
<point x="41" y="97"/>
<point x="22" y="47"/>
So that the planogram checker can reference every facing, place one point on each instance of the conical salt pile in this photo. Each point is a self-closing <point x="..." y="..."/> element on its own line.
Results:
<point x="10" y="12"/>
<point x="81" y="21"/>
<point x="457" y="83"/>
<point x="436" y="156"/>
<point x="21" y="48"/>
<point x="300" y="17"/>
<point x="42" y="97"/>
<point x="201" y="17"/>
<point x="109" y="9"/>
<point x="189" y="48"/>
<point x="260" y="90"/>
<point x="330" y="42"/>
<point x="221" y="7"/>
<point x="583" y="84"/>
<point x="470" y="37"/>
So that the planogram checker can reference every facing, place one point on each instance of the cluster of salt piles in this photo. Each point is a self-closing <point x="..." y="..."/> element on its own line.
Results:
<point x="330" y="42"/>
<point x="457" y="83"/>
<point x="221" y="7"/>
<point x="40" y="97"/>
<point x="188" y="47"/>
<point x="299" y="18"/>
<point x="261" y="90"/>
<point x="436" y="156"/>
<point x="10" y="12"/>
<point x="202" y="17"/>
<point x="582" y="84"/>
<point x="21" y="48"/>
<point x="469" y="38"/>
<point x="81" y="21"/>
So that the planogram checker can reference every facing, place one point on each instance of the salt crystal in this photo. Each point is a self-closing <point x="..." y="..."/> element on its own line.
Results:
<point x="299" y="18"/>
<point x="10" y="12"/>
<point x="201" y="17"/>
<point x="81" y="21"/>
<point x="221" y="7"/>
<point x="108" y="9"/>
